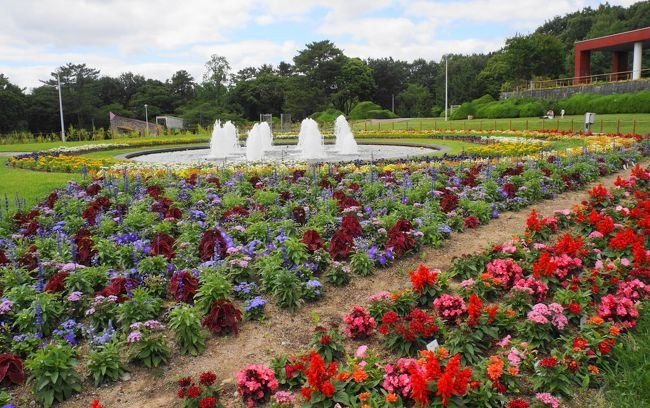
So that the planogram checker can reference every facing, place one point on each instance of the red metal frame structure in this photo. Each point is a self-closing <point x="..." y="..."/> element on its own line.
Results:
<point x="619" y="45"/>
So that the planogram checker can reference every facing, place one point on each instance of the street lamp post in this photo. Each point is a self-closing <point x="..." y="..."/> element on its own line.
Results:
<point x="146" y="117"/>
<point x="58" y="81"/>
<point x="446" y="87"/>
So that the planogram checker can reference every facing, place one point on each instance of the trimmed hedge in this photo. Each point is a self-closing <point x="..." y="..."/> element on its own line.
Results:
<point x="487" y="108"/>
<point x="370" y="110"/>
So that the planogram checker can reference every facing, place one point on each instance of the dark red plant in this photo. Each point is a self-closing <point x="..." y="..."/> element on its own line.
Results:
<point x="341" y="245"/>
<point x="51" y="199"/>
<point x="29" y="260"/>
<point x="154" y="191"/>
<point x="209" y="240"/>
<point x="93" y="189"/>
<point x="163" y="244"/>
<point x="12" y="369"/>
<point x="162" y="205"/>
<point x="299" y="215"/>
<point x="31" y="229"/>
<point x="3" y="258"/>
<point x="85" y="250"/>
<point x="399" y="240"/>
<point x="90" y="215"/>
<point x="236" y="212"/>
<point x="118" y="287"/>
<point x="448" y="202"/>
<point x="310" y="238"/>
<point x="351" y="225"/>
<point x="214" y="180"/>
<point x="173" y="213"/>
<point x="223" y="318"/>
<point x="183" y="286"/>
<point x="56" y="282"/>
<point x="472" y="222"/>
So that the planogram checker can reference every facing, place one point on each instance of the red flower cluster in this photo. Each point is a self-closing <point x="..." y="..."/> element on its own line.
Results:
<point x="342" y="241"/>
<point x="203" y="395"/>
<point x="423" y="278"/>
<point x="416" y="324"/>
<point x="450" y="381"/>
<point x="119" y="286"/>
<point x="319" y="377"/>
<point x="474" y="309"/>
<point x="359" y="323"/>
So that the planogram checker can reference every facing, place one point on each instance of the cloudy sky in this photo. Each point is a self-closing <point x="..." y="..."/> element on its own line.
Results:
<point x="157" y="38"/>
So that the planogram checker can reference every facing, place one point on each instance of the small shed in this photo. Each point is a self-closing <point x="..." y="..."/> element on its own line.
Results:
<point x="170" y="122"/>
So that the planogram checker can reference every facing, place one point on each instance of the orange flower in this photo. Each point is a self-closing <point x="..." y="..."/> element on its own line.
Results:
<point x="614" y="331"/>
<point x="443" y="352"/>
<point x="365" y="406"/>
<point x="359" y="376"/>
<point x="342" y="376"/>
<point x="513" y="370"/>
<point x="593" y="369"/>
<point x="511" y="313"/>
<point x="495" y="368"/>
<point x="390" y="398"/>
<point x="597" y="320"/>
<point x="363" y="397"/>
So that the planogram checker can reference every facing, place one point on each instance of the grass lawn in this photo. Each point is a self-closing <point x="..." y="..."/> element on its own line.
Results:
<point x="31" y="147"/>
<point x="625" y="123"/>
<point x="30" y="185"/>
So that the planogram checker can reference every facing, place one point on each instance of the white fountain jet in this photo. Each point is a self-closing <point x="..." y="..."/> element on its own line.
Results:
<point x="224" y="141"/>
<point x="266" y="136"/>
<point x="254" y="144"/>
<point x="345" y="142"/>
<point x="310" y="141"/>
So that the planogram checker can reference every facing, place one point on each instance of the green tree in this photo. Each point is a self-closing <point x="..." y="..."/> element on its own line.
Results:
<point x="182" y="87"/>
<point x="13" y="104"/>
<point x="354" y="84"/>
<point x="534" y="55"/>
<point x="414" y="102"/>
<point x="156" y="95"/>
<point x="391" y="75"/>
<point x="80" y="92"/>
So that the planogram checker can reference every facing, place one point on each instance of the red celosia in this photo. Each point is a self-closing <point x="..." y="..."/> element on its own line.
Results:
<point x="474" y="308"/>
<point x="423" y="278"/>
<point x="341" y="245"/>
<point x="419" y="386"/>
<point x="623" y="239"/>
<point x="399" y="238"/>
<point x="351" y="225"/>
<point x="453" y="381"/>
<point x="533" y="223"/>
<point x="312" y="240"/>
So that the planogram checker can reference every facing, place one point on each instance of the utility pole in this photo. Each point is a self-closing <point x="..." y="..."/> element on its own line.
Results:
<point x="446" y="88"/>
<point x="146" y="117"/>
<point x="58" y="81"/>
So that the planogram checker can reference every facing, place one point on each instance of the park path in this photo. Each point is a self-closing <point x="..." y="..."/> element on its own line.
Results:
<point x="285" y="332"/>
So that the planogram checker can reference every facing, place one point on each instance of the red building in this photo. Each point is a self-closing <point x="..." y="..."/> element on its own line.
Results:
<point x="619" y="45"/>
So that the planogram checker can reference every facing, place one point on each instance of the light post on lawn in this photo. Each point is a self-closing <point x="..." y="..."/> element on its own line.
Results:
<point x="58" y="81"/>
<point x="146" y="117"/>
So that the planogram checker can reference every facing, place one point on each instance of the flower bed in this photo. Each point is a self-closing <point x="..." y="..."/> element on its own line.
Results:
<point x="98" y="266"/>
<point x="501" y="345"/>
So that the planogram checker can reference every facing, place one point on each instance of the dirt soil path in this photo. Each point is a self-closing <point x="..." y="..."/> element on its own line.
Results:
<point x="284" y="332"/>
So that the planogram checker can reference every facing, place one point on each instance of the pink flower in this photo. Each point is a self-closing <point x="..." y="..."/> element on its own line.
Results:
<point x="548" y="399"/>
<point x="361" y="351"/>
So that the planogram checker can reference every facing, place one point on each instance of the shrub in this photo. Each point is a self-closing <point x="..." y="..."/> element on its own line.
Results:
<point x="53" y="375"/>
<point x="141" y="307"/>
<point x="214" y="286"/>
<point x="148" y="345"/>
<point x="287" y="290"/>
<point x="223" y="318"/>
<point x="105" y="364"/>
<point x="186" y="323"/>
<point x="326" y="117"/>
<point x="369" y="110"/>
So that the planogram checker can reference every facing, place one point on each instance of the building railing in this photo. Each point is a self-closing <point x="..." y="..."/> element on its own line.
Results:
<point x="576" y="81"/>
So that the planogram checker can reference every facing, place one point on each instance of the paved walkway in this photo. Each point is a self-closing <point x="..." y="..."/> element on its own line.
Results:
<point x="9" y="154"/>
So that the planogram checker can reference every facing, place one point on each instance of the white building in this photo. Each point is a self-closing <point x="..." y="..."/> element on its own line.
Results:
<point x="170" y="122"/>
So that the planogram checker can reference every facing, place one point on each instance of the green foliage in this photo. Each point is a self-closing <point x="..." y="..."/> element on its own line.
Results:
<point x="369" y="110"/>
<point x="287" y="290"/>
<point x="151" y="350"/>
<point x="105" y="364"/>
<point x="578" y="104"/>
<point x="139" y="308"/>
<point x="214" y="286"/>
<point x="326" y="117"/>
<point x="52" y="374"/>
<point x="185" y="321"/>
<point x="361" y="264"/>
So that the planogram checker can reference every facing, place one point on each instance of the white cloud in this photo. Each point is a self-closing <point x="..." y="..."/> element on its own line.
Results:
<point x="158" y="38"/>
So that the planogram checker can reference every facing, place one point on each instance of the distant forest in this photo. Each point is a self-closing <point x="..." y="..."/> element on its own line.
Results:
<point x="319" y="78"/>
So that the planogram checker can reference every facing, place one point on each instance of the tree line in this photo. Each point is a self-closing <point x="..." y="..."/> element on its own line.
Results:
<point x="320" y="77"/>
